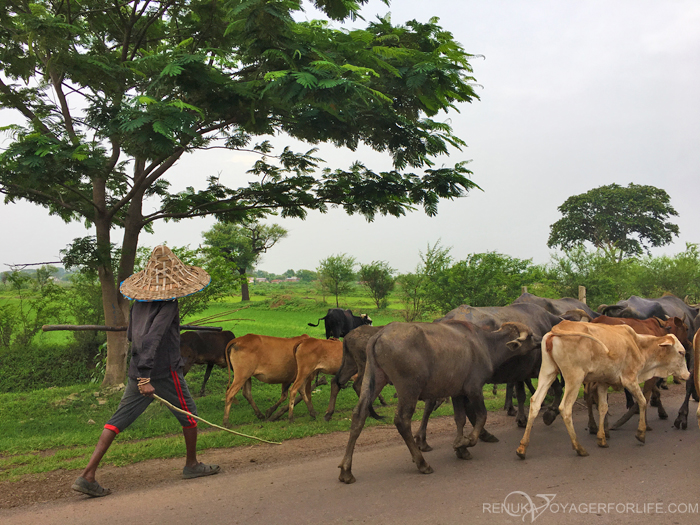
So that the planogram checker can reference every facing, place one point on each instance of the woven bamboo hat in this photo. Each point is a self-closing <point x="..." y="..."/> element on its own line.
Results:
<point x="164" y="278"/>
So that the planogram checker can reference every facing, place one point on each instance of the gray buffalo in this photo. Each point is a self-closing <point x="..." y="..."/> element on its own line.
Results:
<point x="431" y="361"/>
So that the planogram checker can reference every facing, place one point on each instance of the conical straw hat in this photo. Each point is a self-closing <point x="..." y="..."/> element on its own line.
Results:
<point x="164" y="278"/>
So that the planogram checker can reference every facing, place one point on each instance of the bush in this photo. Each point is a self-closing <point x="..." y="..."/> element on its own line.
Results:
<point x="40" y="365"/>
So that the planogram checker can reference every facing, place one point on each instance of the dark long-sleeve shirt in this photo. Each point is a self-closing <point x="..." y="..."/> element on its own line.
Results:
<point x="154" y="332"/>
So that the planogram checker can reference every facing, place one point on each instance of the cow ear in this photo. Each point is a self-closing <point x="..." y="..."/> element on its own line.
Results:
<point x="666" y="343"/>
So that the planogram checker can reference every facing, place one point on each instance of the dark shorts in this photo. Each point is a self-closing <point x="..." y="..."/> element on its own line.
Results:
<point x="173" y="389"/>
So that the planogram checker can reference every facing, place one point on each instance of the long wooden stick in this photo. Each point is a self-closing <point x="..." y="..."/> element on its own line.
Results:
<point x="101" y="328"/>
<point x="173" y="407"/>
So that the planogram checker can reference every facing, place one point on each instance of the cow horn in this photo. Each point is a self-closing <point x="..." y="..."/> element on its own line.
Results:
<point x="686" y="300"/>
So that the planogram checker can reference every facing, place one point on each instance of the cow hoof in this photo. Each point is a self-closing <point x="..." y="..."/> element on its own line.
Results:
<point x="684" y="425"/>
<point x="487" y="437"/>
<point x="522" y="423"/>
<point x="424" y="447"/>
<point x="512" y="412"/>
<point x="346" y="477"/>
<point x="549" y="416"/>
<point x="641" y="437"/>
<point x="425" y="469"/>
<point x="649" y="428"/>
<point x="582" y="452"/>
<point x="662" y="414"/>
<point x="664" y="385"/>
<point x="463" y="453"/>
<point x="521" y="452"/>
<point x="602" y="444"/>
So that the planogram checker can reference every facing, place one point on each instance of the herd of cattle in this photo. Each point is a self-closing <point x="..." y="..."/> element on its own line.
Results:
<point x="561" y="342"/>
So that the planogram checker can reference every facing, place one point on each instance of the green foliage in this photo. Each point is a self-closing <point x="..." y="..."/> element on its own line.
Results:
<point x="336" y="274"/>
<point x="306" y="276"/>
<point x="482" y="279"/>
<point x="622" y="222"/>
<point x="678" y="274"/>
<point x="378" y="278"/>
<point x="412" y="295"/>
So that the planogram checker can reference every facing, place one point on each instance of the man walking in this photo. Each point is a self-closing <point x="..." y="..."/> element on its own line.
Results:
<point x="156" y="364"/>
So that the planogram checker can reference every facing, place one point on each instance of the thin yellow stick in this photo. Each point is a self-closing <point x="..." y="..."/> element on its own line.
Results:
<point x="173" y="407"/>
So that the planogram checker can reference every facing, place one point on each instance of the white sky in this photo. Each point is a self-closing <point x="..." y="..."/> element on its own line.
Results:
<point x="575" y="95"/>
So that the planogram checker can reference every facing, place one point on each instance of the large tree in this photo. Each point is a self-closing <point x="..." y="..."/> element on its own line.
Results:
<point x="243" y="244"/>
<point x="620" y="221"/>
<point x="112" y="93"/>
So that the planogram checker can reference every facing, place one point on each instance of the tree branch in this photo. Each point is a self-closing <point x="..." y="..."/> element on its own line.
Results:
<point x="17" y="104"/>
<point x="41" y="194"/>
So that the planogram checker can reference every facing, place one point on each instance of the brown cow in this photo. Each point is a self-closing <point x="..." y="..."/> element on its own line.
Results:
<point x="204" y="347"/>
<point x="313" y="356"/>
<point x="269" y="359"/>
<point x="651" y="326"/>
<point x="610" y="356"/>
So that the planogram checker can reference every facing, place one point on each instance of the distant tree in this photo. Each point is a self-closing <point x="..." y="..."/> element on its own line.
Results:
<point x="622" y="222"/>
<point x="289" y="273"/>
<point x="482" y="279"/>
<point x="43" y="274"/>
<point x="306" y="276"/>
<point x="336" y="275"/>
<point x="412" y="295"/>
<point x="243" y="244"/>
<point x="378" y="278"/>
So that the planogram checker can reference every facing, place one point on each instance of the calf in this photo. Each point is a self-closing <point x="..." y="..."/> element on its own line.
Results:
<point x="430" y="361"/>
<point x="204" y="347"/>
<point x="269" y="359"/>
<point x="651" y="326"/>
<point x="312" y="356"/>
<point x="610" y="356"/>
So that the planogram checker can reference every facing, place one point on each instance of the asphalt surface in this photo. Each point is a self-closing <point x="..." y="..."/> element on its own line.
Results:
<point x="628" y="482"/>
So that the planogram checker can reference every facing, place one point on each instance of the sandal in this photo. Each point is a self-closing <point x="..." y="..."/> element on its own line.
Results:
<point x="93" y="489"/>
<point x="200" y="470"/>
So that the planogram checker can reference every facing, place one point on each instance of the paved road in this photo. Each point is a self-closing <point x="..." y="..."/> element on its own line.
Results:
<point x="626" y="483"/>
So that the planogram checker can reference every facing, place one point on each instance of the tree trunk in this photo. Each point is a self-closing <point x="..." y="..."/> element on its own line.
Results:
<point x="245" y="294"/>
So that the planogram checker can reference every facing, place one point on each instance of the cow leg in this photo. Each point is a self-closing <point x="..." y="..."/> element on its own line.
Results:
<point x="590" y="396"/>
<point x="238" y="383"/>
<point x="359" y="416"/>
<point x="682" y="419"/>
<point x="420" y="437"/>
<point x="602" y="391"/>
<point x="248" y="394"/>
<point x="530" y="387"/>
<point x="474" y="404"/>
<point x="548" y="373"/>
<point x="552" y="411"/>
<point x="339" y="380"/>
<point x="573" y="384"/>
<point x="269" y="413"/>
<point x="302" y="384"/>
<point x="629" y="399"/>
<point x="460" y="415"/>
<point x="508" y="406"/>
<point x="494" y="389"/>
<point x="484" y="435"/>
<point x="521" y="418"/>
<point x="655" y="401"/>
<point x="642" y="402"/>
<point x="402" y="420"/>
<point x="210" y="366"/>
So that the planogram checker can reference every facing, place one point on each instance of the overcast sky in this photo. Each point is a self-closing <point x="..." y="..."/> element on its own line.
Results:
<point x="575" y="95"/>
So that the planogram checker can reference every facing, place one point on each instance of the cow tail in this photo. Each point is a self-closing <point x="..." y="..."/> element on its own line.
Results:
<point x="229" y="365"/>
<point x="318" y="323"/>
<point x="369" y="381"/>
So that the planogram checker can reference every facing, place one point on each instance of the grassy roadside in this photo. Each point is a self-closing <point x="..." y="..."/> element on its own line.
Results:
<point x="57" y="428"/>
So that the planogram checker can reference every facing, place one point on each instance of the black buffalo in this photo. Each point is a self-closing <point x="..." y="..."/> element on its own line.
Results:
<point x="664" y="308"/>
<point x="340" y="322"/>
<point x="204" y="347"/>
<point x="429" y="361"/>
<point x="521" y="368"/>
<point x="556" y="306"/>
